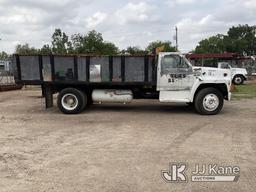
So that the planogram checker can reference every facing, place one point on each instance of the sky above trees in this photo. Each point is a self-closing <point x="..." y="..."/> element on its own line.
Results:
<point x="91" y="43"/>
<point x="125" y="23"/>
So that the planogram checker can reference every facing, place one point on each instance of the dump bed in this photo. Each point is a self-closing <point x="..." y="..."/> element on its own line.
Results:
<point x="39" y="69"/>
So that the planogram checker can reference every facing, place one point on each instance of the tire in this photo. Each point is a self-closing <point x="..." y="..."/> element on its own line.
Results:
<point x="209" y="101"/>
<point x="238" y="80"/>
<point x="76" y="103"/>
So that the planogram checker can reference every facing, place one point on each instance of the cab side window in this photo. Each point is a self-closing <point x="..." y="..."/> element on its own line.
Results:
<point x="225" y="66"/>
<point x="169" y="64"/>
<point x="173" y="64"/>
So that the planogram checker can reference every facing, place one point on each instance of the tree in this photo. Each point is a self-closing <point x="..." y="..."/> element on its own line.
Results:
<point x="78" y="43"/>
<point x="134" y="51"/>
<point x="3" y="55"/>
<point x="45" y="50"/>
<point x="92" y="43"/>
<point x="214" y="44"/>
<point x="240" y="39"/>
<point x="61" y="43"/>
<point x="109" y="49"/>
<point x="167" y="46"/>
<point x="25" y="49"/>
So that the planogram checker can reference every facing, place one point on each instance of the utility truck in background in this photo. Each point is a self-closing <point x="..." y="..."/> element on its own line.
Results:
<point x="81" y="80"/>
<point x="238" y="75"/>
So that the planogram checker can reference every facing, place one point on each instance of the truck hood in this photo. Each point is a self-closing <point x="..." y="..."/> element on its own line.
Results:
<point x="210" y="72"/>
<point x="239" y="71"/>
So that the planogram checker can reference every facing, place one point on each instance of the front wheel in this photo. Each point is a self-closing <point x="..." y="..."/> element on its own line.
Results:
<point x="71" y="101"/>
<point x="209" y="101"/>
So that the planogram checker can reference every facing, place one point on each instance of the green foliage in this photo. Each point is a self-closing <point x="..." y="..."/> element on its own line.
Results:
<point x="134" y="51"/>
<point x="45" y="50"/>
<point x="25" y="49"/>
<point x="60" y="43"/>
<point x="109" y="49"/>
<point x="167" y="46"/>
<point x="240" y="39"/>
<point x="3" y="55"/>
<point x="213" y="44"/>
<point x="92" y="43"/>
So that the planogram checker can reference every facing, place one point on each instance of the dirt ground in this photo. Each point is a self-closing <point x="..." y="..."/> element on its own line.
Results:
<point x="120" y="147"/>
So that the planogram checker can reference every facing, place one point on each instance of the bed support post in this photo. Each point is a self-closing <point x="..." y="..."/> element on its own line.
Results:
<point x="48" y="95"/>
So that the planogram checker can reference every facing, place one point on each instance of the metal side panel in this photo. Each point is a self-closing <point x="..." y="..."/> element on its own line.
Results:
<point x="174" y="96"/>
<point x="29" y="68"/>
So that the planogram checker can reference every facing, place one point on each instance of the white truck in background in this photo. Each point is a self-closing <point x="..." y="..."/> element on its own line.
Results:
<point x="238" y="75"/>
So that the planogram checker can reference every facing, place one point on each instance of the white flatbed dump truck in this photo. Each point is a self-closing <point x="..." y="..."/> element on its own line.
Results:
<point x="83" y="80"/>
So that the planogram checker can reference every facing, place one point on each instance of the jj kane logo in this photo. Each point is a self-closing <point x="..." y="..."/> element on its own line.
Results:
<point x="176" y="173"/>
<point x="201" y="173"/>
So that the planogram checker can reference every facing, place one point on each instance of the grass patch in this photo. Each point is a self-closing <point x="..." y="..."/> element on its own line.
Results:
<point x="247" y="91"/>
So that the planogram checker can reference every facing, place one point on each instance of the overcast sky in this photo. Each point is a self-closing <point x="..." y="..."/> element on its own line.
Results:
<point x="131" y="22"/>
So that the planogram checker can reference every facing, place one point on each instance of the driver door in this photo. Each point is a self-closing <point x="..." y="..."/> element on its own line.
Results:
<point x="175" y="77"/>
<point x="174" y="74"/>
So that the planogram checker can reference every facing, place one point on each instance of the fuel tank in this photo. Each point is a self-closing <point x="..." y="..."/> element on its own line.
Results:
<point x="112" y="96"/>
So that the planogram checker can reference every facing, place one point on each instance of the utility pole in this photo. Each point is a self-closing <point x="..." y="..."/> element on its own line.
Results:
<point x="176" y="38"/>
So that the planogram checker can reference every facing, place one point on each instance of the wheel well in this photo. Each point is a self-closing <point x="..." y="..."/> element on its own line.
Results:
<point x="221" y="87"/>
<point x="241" y="75"/>
<point x="58" y="88"/>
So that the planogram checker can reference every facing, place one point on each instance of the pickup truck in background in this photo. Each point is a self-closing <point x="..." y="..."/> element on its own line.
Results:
<point x="81" y="80"/>
<point x="238" y="75"/>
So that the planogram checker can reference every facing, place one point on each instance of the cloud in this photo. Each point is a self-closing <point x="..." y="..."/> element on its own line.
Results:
<point x="250" y="4"/>
<point x="184" y="1"/>
<point x="96" y="19"/>
<point x="135" y="13"/>
<point x="173" y="3"/>
<point x="133" y="22"/>
<point x="193" y="30"/>
<point x="52" y="5"/>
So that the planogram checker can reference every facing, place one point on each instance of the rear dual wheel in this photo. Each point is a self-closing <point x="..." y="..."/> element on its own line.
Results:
<point x="71" y="101"/>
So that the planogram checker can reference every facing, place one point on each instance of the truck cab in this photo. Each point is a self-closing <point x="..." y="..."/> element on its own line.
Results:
<point x="238" y="75"/>
<point x="179" y="81"/>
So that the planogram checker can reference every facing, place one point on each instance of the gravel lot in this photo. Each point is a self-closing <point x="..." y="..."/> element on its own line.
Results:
<point x="120" y="147"/>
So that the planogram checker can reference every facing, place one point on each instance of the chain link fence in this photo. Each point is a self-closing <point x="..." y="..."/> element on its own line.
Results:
<point x="6" y="76"/>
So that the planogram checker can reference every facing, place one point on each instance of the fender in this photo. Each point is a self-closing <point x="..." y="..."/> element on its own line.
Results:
<point x="221" y="85"/>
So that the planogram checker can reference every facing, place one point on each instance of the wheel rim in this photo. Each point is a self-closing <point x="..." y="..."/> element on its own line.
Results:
<point x="211" y="102"/>
<point x="69" y="102"/>
<point x="238" y="80"/>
